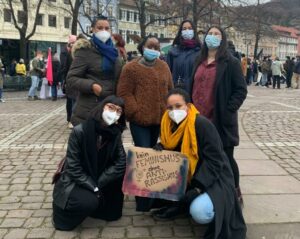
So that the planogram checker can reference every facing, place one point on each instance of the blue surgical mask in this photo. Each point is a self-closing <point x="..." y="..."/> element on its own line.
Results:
<point x="212" y="41"/>
<point x="150" y="55"/>
<point x="187" y="34"/>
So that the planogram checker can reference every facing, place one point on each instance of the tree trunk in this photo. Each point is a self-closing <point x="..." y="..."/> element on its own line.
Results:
<point x="195" y="14"/>
<point x="257" y="38"/>
<point x="142" y="18"/>
<point x="75" y="15"/>
<point x="23" y="46"/>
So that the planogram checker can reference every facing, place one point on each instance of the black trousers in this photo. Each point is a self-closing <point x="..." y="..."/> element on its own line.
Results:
<point x="234" y="166"/>
<point x="69" y="107"/>
<point x="289" y="79"/>
<point x="276" y="80"/>
<point x="83" y="203"/>
<point x="145" y="137"/>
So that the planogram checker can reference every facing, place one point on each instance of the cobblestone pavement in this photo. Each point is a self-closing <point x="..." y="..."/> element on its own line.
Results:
<point x="271" y="119"/>
<point x="33" y="139"/>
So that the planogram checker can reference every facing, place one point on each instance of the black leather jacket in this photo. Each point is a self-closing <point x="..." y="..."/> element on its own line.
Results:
<point x="74" y="174"/>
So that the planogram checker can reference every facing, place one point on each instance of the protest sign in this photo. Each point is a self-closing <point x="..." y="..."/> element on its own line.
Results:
<point x="155" y="174"/>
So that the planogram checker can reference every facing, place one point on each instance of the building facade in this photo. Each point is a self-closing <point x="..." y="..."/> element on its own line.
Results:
<point x="52" y="30"/>
<point x="93" y="8"/>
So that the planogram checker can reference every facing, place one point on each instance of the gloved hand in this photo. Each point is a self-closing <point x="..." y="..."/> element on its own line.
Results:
<point x="190" y="195"/>
<point x="158" y="147"/>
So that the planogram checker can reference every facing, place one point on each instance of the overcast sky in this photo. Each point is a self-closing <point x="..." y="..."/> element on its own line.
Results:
<point x="246" y="2"/>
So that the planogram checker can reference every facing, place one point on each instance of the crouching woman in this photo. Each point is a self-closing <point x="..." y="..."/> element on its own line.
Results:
<point x="211" y="197"/>
<point x="91" y="182"/>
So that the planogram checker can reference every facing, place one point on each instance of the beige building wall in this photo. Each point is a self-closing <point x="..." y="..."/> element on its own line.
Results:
<point x="43" y="32"/>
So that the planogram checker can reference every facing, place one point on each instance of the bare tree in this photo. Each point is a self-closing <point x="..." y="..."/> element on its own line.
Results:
<point x="21" y="19"/>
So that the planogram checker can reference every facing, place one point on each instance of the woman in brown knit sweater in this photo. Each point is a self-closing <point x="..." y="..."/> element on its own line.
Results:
<point x="144" y="84"/>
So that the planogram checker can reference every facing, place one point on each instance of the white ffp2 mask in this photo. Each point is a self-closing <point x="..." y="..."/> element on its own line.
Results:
<point x="177" y="115"/>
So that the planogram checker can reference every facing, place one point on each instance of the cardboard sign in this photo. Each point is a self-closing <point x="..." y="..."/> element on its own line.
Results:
<point x="155" y="174"/>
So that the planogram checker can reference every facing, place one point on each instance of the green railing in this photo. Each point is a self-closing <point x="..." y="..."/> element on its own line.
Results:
<point x="17" y="82"/>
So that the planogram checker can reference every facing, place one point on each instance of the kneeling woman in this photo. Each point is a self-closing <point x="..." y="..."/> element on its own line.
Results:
<point x="91" y="182"/>
<point x="211" y="196"/>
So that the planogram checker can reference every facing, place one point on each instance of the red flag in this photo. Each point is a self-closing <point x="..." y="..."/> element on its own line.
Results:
<point x="49" y="74"/>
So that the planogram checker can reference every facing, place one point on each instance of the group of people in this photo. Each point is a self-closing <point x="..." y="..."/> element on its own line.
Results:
<point x="272" y="72"/>
<point x="190" y="103"/>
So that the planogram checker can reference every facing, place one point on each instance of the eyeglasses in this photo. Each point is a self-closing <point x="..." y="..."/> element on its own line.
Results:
<point x="114" y="108"/>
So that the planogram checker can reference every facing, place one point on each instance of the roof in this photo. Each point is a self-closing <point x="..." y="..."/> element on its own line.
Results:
<point x="287" y="31"/>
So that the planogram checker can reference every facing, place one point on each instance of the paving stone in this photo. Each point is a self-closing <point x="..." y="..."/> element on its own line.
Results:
<point x="19" y="213"/>
<point x="113" y="232"/>
<point x="137" y="232"/>
<point x="183" y="231"/>
<point x="89" y="233"/>
<point x="12" y="222"/>
<point x="3" y="232"/>
<point x="271" y="208"/>
<point x="261" y="167"/>
<point x="42" y="213"/>
<point x="16" y="234"/>
<point x="93" y="222"/>
<point x="33" y="222"/>
<point x="65" y="234"/>
<point x="143" y="221"/>
<point x="161" y="231"/>
<point x="40" y="233"/>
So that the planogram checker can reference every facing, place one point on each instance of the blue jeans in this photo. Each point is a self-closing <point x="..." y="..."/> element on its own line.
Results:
<point x="35" y="80"/>
<point x="54" y="90"/>
<point x="264" y="79"/>
<point x="202" y="209"/>
<point x="0" y="93"/>
<point x="144" y="136"/>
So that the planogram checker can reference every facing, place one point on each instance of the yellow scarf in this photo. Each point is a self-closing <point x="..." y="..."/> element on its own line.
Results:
<point x="185" y="132"/>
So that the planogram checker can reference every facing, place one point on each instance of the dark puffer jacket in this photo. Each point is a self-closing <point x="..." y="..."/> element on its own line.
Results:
<point x="86" y="71"/>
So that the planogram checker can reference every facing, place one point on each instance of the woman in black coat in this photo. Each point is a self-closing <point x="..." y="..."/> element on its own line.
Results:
<point x="91" y="182"/>
<point x="56" y="72"/>
<point x="210" y="196"/>
<point x="219" y="89"/>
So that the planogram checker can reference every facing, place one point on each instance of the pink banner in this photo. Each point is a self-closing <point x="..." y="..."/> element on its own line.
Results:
<point x="49" y="74"/>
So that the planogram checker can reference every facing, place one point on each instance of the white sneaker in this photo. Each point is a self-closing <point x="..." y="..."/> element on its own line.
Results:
<point x="1" y="100"/>
<point x="70" y="126"/>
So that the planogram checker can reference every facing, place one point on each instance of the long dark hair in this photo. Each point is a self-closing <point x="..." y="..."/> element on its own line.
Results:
<point x="141" y="45"/>
<point x="177" y="40"/>
<point x="222" y="52"/>
<point x="98" y="18"/>
<point x="96" y="113"/>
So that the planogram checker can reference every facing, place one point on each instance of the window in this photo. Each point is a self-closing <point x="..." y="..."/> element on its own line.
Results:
<point x="110" y="11"/>
<point x="7" y="15"/>
<point x="127" y="37"/>
<point x="67" y="21"/>
<point x="52" y="21"/>
<point x="136" y="16"/>
<point x="51" y="0"/>
<point x="21" y="16"/>
<point x="131" y="16"/>
<point x="66" y="2"/>
<point x="88" y="29"/>
<point x="127" y="16"/>
<point x="39" y="19"/>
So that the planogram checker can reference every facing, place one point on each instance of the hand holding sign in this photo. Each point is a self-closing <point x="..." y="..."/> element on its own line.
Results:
<point x="155" y="174"/>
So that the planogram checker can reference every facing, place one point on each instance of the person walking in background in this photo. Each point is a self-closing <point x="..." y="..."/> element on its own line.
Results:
<point x="120" y="45"/>
<point x="2" y="69"/>
<point x="144" y="83"/>
<point x="231" y="48"/>
<point x="249" y="77"/>
<point x="95" y="70"/>
<point x="91" y="182"/>
<point x="296" y="74"/>
<point x="289" y="67"/>
<point x="210" y="197"/>
<point x="265" y="71"/>
<point x="56" y="76"/>
<point x="12" y="67"/>
<point x="66" y="61"/>
<point x="277" y="69"/>
<point x="21" y="73"/>
<point x="219" y="89"/>
<point x="36" y="73"/>
<point x="255" y="70"/>
<point x="182" y="55"/>
<point x="244" y="62"/>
